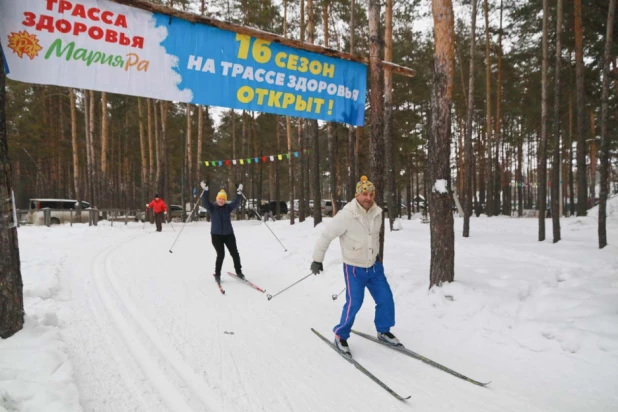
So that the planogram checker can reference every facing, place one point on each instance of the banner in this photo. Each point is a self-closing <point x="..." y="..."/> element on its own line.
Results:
<point x="106" y="46"/>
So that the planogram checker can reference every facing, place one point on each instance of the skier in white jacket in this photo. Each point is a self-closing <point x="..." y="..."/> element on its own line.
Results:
<point x="357" y="226"/>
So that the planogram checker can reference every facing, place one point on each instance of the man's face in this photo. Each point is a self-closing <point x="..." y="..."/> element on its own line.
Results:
<point x="157" y="199"/>
<point x="220" y="201"/>
<point x="366" y="199"/>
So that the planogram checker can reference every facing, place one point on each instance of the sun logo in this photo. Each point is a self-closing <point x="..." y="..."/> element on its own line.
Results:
<point x="24" y="43"/>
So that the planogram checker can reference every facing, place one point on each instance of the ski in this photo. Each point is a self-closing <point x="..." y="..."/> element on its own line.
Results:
<point x="220" y="288"/>
<point x="246" y="282"/>
<point x="415" y="355"/>
<point x="360" y="367"/>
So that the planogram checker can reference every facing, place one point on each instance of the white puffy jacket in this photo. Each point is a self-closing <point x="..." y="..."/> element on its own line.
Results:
<point x="359" y="234"/>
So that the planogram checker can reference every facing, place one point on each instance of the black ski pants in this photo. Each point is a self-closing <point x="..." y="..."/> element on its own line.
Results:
<point x="229" y="241"/>
<point x="159" y="220"/>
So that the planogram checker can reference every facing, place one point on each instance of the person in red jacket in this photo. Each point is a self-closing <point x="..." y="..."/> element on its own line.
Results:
<point x="159" y="208"/>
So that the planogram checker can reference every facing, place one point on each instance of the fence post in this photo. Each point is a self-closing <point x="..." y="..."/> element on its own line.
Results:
<point x="71" y="217"/>
<point x="47" y="216"/>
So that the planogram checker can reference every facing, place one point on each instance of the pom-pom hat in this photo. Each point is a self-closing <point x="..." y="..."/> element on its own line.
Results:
<point x="364" y="186"/>
<point x="222" y="195"/>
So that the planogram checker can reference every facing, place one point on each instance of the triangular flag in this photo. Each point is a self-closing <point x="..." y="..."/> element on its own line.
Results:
<point x="220" y="163"/>
<point x="234" y="161"/>
<point x="249" y="161"/>
<point x="295" y="154"/>
<point x="255" y="159"/>
<point x="242" y="161"/>
<point x="287" y="155"/>
<point x="206" y="163"/>
<point x="272" y="158"/>
<point x="280" y="157"/>
<point x="227" y="162"/>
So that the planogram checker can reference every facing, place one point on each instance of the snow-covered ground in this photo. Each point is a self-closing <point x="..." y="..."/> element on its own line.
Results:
<point x="114" y="322"/>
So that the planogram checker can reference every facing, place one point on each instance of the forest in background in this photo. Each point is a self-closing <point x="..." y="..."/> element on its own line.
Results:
<point x="116" y="151"/>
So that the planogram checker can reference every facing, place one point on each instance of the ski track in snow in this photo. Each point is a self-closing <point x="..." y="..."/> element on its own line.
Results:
<point x="146" y="330"/>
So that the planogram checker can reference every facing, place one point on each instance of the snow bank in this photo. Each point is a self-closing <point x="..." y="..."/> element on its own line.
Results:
<point x="36" y="373"/>
<point x="611" y="209"/>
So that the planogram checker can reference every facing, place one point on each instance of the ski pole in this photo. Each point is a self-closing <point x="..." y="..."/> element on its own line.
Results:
<point x="280" y="292"/>
<point x="337" y="295"/>
<point x="271" y="231"/>
<point x="185" y="224"/>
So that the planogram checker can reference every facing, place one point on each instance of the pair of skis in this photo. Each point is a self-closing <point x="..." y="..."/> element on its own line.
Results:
<point x="401" y="349"/>
<point x="242" y="280"/>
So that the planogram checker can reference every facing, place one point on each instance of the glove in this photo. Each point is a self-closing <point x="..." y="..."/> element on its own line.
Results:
<point x="204" y="185"/>
<point x="239" y="189"/>
<point x="147" y="205"/>
<point x="317" y="267"/>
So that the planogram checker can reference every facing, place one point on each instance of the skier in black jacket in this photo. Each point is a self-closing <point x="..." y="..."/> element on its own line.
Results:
<point x="221" y="229"/>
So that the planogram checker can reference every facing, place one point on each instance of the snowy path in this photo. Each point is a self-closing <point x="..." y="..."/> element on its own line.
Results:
<point x="147" y="330"/>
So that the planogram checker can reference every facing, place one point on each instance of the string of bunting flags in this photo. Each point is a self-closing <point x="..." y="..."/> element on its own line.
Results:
<point x="527" y="184"/>
<point x="254" y="160"/>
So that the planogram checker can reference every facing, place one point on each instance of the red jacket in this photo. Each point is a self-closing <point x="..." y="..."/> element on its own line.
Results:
<point x="158" y="206"/>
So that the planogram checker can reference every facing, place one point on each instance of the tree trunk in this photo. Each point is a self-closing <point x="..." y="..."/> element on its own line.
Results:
<point x="93" y="168"/>
<point x="555" y="171"/>
<point x="332" y="164"/>
<point x="288" y="129"/>
<point x="75" y="148"/>
<point x="498" y="132"/>
<point x="593" y="159"/>
<point x="468" y="138"/>
<point x="388" y="116"/>
<point x="442" y="268"/>
<point x="143" y="149"/>
<point x="104" y="149"/>
<point x="377" y="106"/>
<point x="351" y="130"/>
<point x="275" y="164"/>
<point x="189" y="142"/>
<point x="151" y="149"/>
<point x="313" y="133"/>
<point x="605" y="138"/>
<point x="519" y="178"/>
<point x="582" y="209"/>
<point x="200" y="145"/>
<point x="246" y="152"/>
<point x="159" y="172"/>
<point x="488" y="165"/>
<point x="542" y="155"/>
<point x="164" y="178"/>
<point x="571" y="177"/>
<point x="11" y="286"/>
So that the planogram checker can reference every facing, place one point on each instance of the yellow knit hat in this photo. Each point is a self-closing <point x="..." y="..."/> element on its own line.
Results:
<point x="364" y="186"/>
<point x="222" y="195"/>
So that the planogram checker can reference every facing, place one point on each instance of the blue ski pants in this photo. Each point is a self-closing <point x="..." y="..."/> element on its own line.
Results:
<point x="356" y="279"/>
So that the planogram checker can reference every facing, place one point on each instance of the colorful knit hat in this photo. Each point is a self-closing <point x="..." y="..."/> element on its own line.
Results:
<point x="364" y="186"/>
<point x="222" y="195"/>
